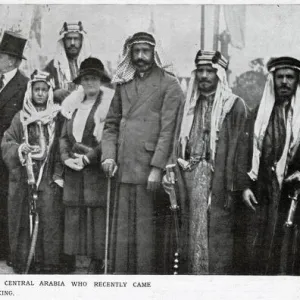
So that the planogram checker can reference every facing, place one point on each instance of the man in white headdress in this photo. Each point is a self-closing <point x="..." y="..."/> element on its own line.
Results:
<point x="73" y="47"/>
<point x="137" y="139"/>
<point x="204" y="162"/>
<point x="275" y="169"/>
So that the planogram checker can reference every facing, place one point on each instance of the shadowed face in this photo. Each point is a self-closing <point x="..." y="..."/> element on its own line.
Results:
<point x="207" y="78"/>
<point x="40" y="92"/>
<point x="91" y="84"/>
<point x="73" y="43"/>
<point x="7" y="63"/>
<point x="142" y="56"/>
<point x="285" y="80"/>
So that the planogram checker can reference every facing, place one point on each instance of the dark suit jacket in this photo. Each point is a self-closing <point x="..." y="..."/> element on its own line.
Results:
<point x="88" y="186"/>
<point x="11" y="101"/>
<point x="140" y="127"/>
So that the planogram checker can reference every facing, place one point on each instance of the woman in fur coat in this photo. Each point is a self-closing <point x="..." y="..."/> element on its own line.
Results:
<point x="85" y="185"/>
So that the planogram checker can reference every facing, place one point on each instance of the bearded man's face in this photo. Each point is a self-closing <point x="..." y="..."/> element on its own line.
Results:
<point x="207" y="78"/>
<point x="73" y="43"/>
<point x="142" y="56"/>
<point x="285" y="80"/>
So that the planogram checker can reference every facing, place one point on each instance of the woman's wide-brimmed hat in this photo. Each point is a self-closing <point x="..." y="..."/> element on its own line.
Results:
<point x="92" y="66"/>
<point x="13" y="44"/>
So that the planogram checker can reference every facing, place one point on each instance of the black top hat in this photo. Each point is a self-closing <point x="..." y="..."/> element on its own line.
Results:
<point x="13" y="44"/>
<point x="92" y="66"/>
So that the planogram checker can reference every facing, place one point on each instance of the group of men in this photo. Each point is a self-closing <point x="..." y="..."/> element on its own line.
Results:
<point x="232" y="170"/>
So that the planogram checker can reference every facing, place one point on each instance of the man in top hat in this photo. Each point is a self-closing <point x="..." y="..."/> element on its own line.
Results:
<point x="12" y="90"/>
<point x="137" y="139"/>
<point x="204" y="162"/>
<point x="274" y="159"/>
<point x="72" y="48"/>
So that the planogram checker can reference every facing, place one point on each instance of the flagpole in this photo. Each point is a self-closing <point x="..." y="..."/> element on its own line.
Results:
<point x="202" y="29"/>
<point x="216" y="28"/>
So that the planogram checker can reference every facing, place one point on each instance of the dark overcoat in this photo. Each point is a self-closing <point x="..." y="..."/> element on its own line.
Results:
<point x="262" y="232"/>
<point x="88" y="186"/>
<point x="11" y="101"/>
<point x="139" y="127"/>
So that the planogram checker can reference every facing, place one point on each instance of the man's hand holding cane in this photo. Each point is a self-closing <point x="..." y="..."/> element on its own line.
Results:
<point x="109" y="167"/>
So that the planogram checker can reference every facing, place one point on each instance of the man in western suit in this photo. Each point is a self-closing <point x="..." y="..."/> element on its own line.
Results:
<point x="137" y="139"/>
<point x="12" y="90"/>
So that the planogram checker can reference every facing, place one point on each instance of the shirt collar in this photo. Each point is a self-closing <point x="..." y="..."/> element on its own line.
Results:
<point x="8" y="76"/>
<point x="144" y="74"/>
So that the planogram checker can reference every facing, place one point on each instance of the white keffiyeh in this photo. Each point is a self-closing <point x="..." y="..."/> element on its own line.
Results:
<point x="29" y="115"/>
<point x="261" y="123"/>
<point x="61" y="62"/>
<point x="223" y="102"/>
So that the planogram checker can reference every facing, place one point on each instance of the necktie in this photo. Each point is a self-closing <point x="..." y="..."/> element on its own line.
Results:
<point x="1" y="82"/>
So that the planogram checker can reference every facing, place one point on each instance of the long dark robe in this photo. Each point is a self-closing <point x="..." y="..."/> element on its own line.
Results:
<point x="133" y="235"/>
<point x="265" y="228"/>
<point x="49" y="203"/>
<point x="207" y="232"/>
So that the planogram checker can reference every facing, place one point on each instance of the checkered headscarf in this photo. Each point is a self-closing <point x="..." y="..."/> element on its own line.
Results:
<point x="125" y="71"/>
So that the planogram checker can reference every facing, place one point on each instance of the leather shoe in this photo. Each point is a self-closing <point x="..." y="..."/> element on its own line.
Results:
<point x="9" y="263"/>
<point x="96" y="267"/>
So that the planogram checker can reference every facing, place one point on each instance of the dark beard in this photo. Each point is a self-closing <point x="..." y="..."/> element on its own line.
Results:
<point x="281" y="99"/>
<point x="144" y="68"/>
<point x="72" y="55"/>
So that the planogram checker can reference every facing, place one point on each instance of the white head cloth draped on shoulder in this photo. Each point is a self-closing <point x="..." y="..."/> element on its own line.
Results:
<point x="29" y="113"/>
<point x="223" y="101"/>
<point x="263" y="116"/>
<point x="126" y="70"/>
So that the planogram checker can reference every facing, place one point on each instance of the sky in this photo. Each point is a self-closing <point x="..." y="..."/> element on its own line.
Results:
<point x="270" y="30"/>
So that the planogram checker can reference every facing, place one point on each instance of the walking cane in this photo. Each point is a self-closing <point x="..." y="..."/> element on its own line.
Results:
<point x="107" y="224"/>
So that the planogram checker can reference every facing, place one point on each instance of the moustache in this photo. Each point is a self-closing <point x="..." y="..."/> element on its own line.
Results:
<point x="285" y="87"/>
<point x="204" y="81"/>
<point x="73" y="47"/>
<point x="139" y="61"/>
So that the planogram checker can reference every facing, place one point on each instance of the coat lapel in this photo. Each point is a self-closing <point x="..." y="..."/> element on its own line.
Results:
<point x="131" y="92"/>
<point x="90" y="123"/>
<point x="10" y="89"/>
<point x="70" y="128"/>
<point x="151" y="86"/>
